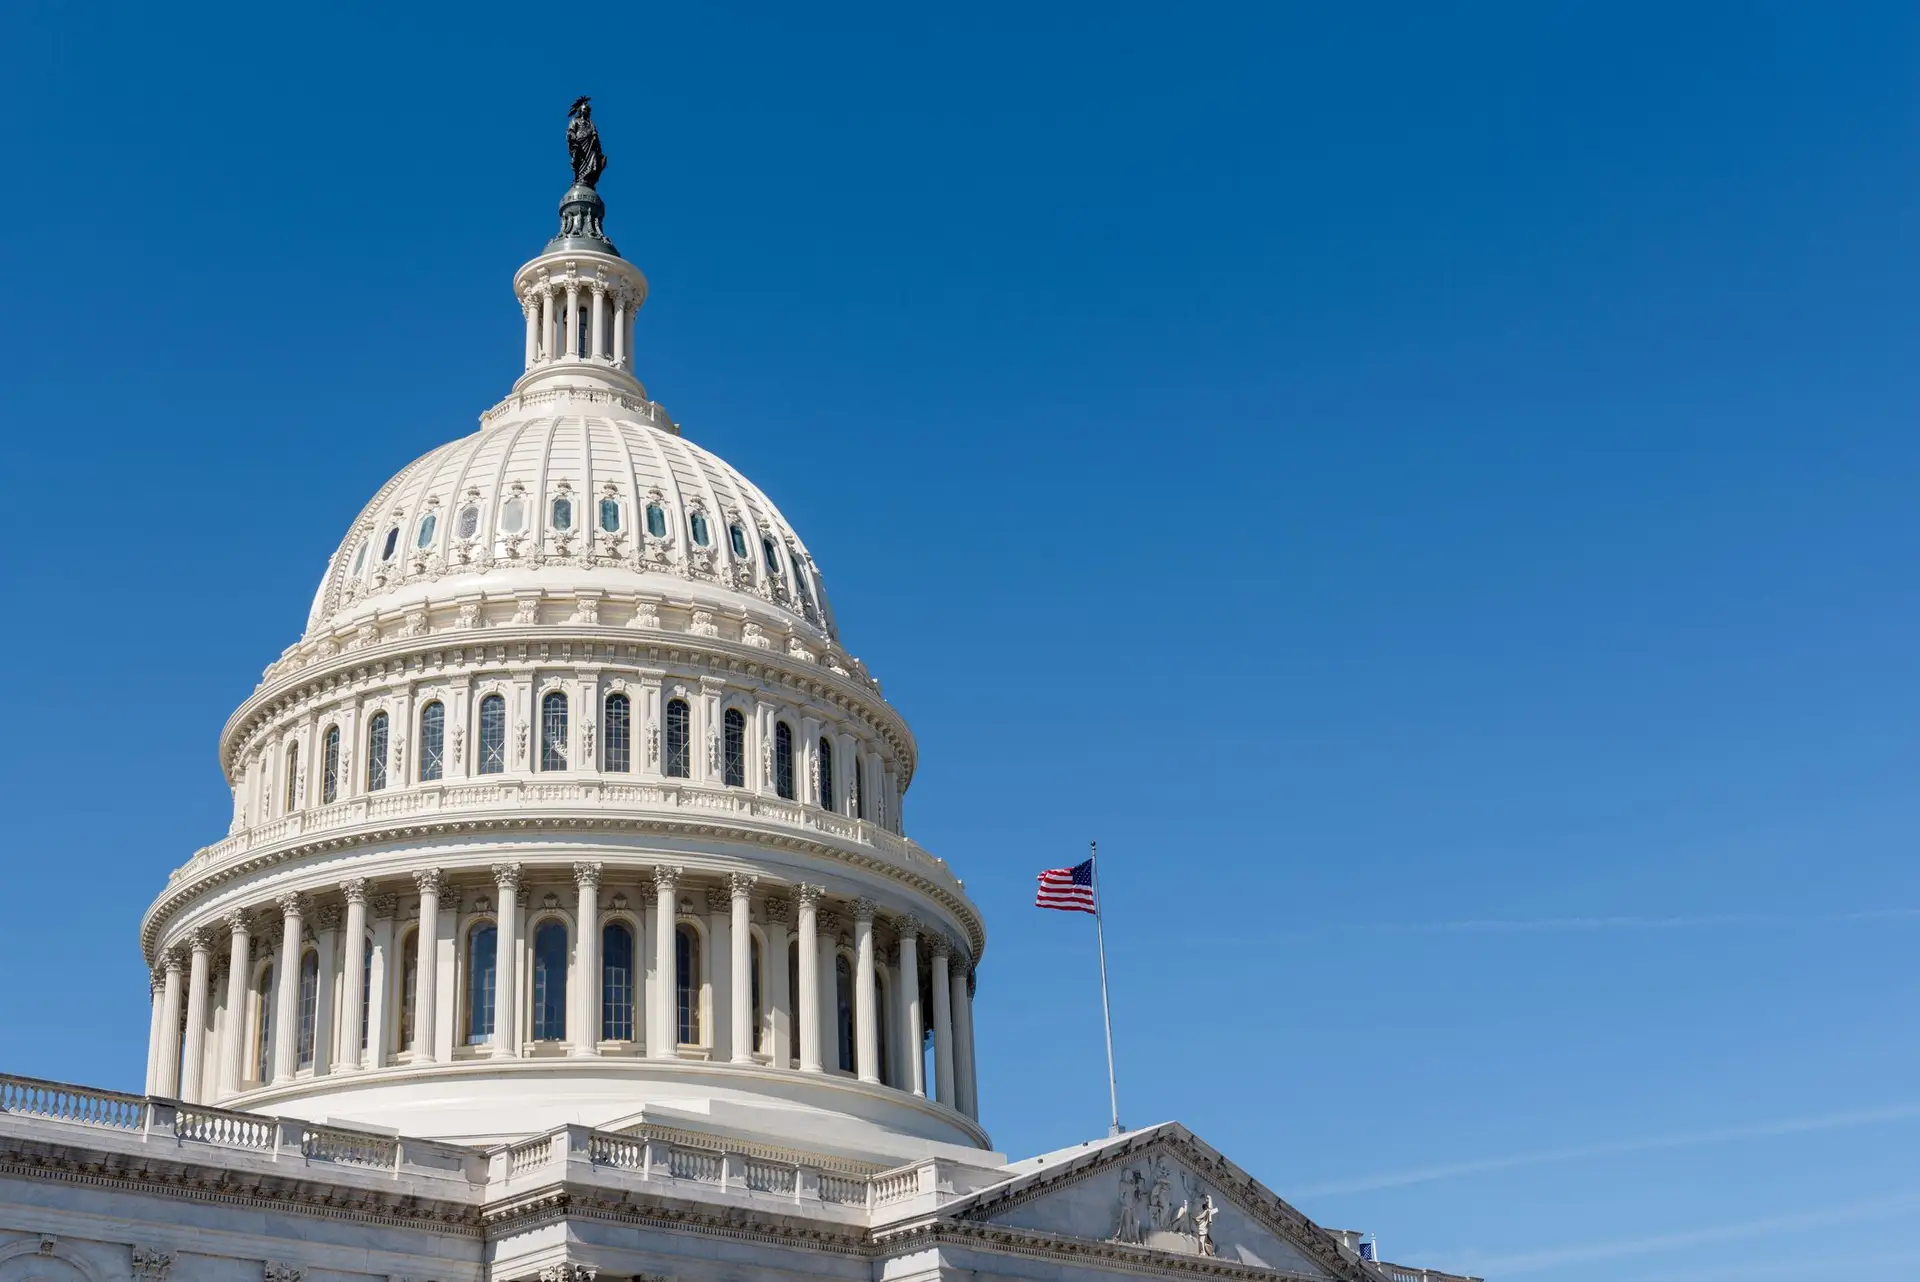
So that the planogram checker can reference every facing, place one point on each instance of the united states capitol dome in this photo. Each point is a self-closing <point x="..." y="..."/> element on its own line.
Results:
<point x="569" y="807"/>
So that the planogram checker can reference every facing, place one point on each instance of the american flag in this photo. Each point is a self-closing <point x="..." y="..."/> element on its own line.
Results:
<point x="1068" y="889"/>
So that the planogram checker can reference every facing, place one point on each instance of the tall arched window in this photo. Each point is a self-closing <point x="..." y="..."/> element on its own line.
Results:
<point x="679" y="739"/>
<point x="735" y="748"/>
<point x="493" y="735"/>
<point x="882" y="1025"/>
<point x="550" y="982"/>
<point x="553" y="731"/>
<point x="843" y="1011"/>
<point x="619" y="736"/>
<point x="783" y="759"/>
<point x="686" y="984"/>
<point x="409" y="991"/>
<point x="433" y="741"/>
<point x="366" y="992"/>
<point x="793" y="995"/>
<point x="481" y="949"/>
<point x="616" y="983"/>
<point x="825" y="748"/>
<point x="856" y="795"/>
<point x="377" y="752"/>
<point x="309" y="1005"/>
<point x="330" y="766"/>
<point x="755" y="960"/>
<point x="263" y="1044"/>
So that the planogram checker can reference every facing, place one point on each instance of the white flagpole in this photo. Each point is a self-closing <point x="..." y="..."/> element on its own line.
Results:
<point x="1106" y="1007"/>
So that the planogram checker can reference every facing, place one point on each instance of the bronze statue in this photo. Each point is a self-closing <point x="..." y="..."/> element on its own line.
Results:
<point x="583" y="144"/>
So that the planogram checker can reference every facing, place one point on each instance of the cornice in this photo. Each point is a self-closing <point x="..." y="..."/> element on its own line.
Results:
<point x="562" y="1201"/>
<point x="1033" y="1244"/>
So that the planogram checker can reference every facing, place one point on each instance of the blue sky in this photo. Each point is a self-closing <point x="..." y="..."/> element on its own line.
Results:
<point x="1428" y="488"/>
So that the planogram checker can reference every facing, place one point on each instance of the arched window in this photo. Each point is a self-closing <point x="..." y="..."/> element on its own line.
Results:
<point x="755" y="960"/>
<point x="735" y="536"/>
<point x="825" y="748"/>
<point x="616" y="983"/>
<point x="481" y="948"/>
<point x="553" y="731"/>
<point x="563" y="514"/>
<point x="409" y="991"/>
<point x="424" y="539"/>
<point x="686" y="984"/>
<point x="773" y="557"/>
<point x="783" y="759"/>
<point x="263" y="1044"/>
<point x="433" y="741"/>
<point x="366" y="992"/>
<point x="468" y="523"/>
<point x="619" y="751"/>
<point x="656" y="521"/>
<point x="393" y="541"/>
<point x="513" y="515"/>
<point x="679" y="739"/>
<point x="843" y="1010"/>
<point x="360" y="556"/>
<point x="330" y="766"/>
<point x="493" y="735"/>
<point x="377" y="752"/>
<point x="293" y="777"/>
<point x="550" y="982"/>
<point x="735" y="748"/>
<point x="610" y="515"/>
<point x="697" y="524"/>
<point x="309" y="1005"/>
<point x="793" y="993"/>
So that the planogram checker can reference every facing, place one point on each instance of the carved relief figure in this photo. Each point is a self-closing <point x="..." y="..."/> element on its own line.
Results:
<point x="1133" y="1197"/>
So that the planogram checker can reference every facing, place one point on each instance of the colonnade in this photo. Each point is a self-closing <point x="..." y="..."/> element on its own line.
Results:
<point x="325" y="990"/>
<point x="563" y="314"/>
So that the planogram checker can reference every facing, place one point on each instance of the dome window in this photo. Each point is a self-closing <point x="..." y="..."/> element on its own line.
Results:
<point x="773" y="557"/>
<point x="469" y="523"/>
<point x="360" y="557"/>
<point x="425" y="538"/>
<point x="610" y="515"/>
<point x="513" y="516"/>
<point x="563" y="514"/>
<point x="656" y="521"/>
<point x="738" y="537"/>
<point x="393" y="541"/>
<point x="697" y="522"/>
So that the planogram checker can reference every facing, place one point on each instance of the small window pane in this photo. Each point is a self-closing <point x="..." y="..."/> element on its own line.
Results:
<point x="616" y="983"/>
<point x="686" y="964"/>
<point x="469" y="523"/>
<point x="433" y="738"/>
<point x="773" y="557"/>
<point x="738" y="537"/>
<point x="309" y="1005"/>
<point x="563" y="514"/>
<point x="513" y="517"/>
<point x="550" y="982"/>
<point x="825" y="747"/>
<point x="359" y="557"/>
<point x="783" y="760"/>
<point x="679" y="739"/>
<point x="377" y="752"/>
<point x="610" y="515"/>
<point x="656" y="521"/>
<point x="263" y="1053"/>
<point x="553" y="731"/>
<point x="330" y="765"/>
<point x="619" y="755"/>
<point x="736" y="748"/>
<point x="481" y="947"/>
<point x="698" y="522"/>
<point x="425" y="537"/>
<point x="393" y="541"/>
<point x="493" y="735"/>
<point x="293" y="776"/>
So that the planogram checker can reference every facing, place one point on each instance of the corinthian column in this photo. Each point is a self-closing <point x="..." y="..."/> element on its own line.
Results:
<point x="809" y="995"/>
<point x="663" y="1033"/>
<point x="506" y="960"/>
<point x="963" y="1090"/>
<point x="426" y="985"/>
<point x="156" y="986"/>
<point x="233" y="1038"/>
<point x="586" y="876"/>
<point x="740" y="937"/>
<point x="866" y="1025"/>
<point x="193" y="1070"/>
<point x="915" y="1078"/>
<point x="942" y="1022"/>
<point x="286" y="1007"/>
<point x="167" y="1080"/>
<point x="354" y="973"/>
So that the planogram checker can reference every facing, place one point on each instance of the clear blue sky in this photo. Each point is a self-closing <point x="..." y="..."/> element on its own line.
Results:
<point x="1431" y="488"/>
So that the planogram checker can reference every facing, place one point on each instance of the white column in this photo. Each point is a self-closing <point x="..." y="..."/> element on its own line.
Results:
<point x="963" y="1041"/>
<point x="586" y="877"/>
<point x="719" y="974"/>
<point x="942" y="1022"/>
<point x="167" y="1079"/>
<point x="286" y="1003"/>
<point x="233" y="1041"/>
<point x="573" y="322"/>
<point x="506" y="959"/>
<point x="663" y="1032"/>
<point x="779" y="1000"/>
<point x="531" y="307"/>
<point x="866" y="1023"/>
<point x="385" y="907"/>
<point x="193" y="1070"/>
<point x="829" y="991"/>
<point x="596" y="338"/>
<point x="326" y="922"/>
<point x="156" y="986"/>
<point x="546" y="322"/>
<point x="915" y="1078"/>
<point x="809" y="997"/>
<point x="354" y="977"/>
<point x="620" y="329"/>
<point x="740" y="937"/>
<point x="426" y="964"/>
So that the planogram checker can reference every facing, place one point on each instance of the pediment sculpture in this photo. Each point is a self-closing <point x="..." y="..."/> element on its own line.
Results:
<point x="1151" y="1214"/>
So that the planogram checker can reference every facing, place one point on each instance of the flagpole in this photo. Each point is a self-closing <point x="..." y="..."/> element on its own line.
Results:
<point x="1106" y="1007"/>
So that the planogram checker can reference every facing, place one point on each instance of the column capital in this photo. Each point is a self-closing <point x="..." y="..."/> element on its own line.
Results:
<point x="908" y="926"/>
<point x="428" y="880"/>
<point x="239" y="922"/>
<point x="666" y="879"/>
<point x="810" y="895"/>
<point x="292" y="904"/>
<point x="200" y="940"/>
<point x="740" y="885"/>
<point x="355" y="890"/>
<point x="863" y="909"/>
<point x="385" y="907"/>
<point x="172" y="962"/>
<point x="942" y="947"/>
<point x="587" y="873"/>
<point x="507" y="878"/>
<point x="157" y="978"/>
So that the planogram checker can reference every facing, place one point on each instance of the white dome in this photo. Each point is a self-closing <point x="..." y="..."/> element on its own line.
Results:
<point x="567" y="490"/>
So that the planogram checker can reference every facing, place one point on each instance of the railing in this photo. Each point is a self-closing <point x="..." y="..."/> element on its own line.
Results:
<point x="772" y="1177"/>
<point x="896" y="1186"/>
<point x="530" y="1155"/>
<point x="617" y="1151"/>
<point x="354" y="1148"/>
<point x="695" y="1164"/>
<point x="841" y="1188"/>
<point x="218" y="1126"/>
<point x="31" y="1097"/>
<point x="1403" y="1273"/>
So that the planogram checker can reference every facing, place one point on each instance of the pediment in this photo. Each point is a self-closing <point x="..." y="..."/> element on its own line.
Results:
<point x="1164" y="1191"/>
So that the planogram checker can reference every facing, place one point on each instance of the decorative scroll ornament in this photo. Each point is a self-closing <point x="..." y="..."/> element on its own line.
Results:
<point x="520" y="744"/>
<point x="459" y="742"/>
<point x="1149" y="1216"/>
<point x="569" y="1272"/>
<point x="276" y="1271"/>
<point x="586" y="746"/>
<point x="150" y="1265"/>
